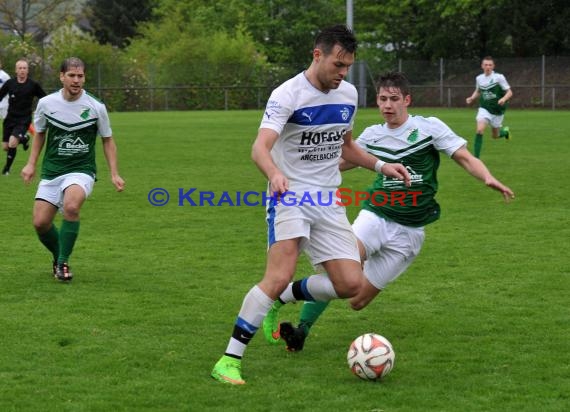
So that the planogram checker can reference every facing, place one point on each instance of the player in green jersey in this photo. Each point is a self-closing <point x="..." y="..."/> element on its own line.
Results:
<point x="68" y="122"/>
<point x="493" y="92"/>
<point x="390" y="234"/>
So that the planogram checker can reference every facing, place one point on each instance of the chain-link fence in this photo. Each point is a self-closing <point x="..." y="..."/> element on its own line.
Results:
<point x="541" y="82"/>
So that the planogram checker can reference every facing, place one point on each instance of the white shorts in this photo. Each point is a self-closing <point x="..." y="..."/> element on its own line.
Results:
<point x="325" y="231"/>
<point x="52" y="190"/>
<point x="390" y="247"/>
<point x="495" y="120"/>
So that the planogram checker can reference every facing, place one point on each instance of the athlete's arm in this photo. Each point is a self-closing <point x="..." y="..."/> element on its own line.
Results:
<point x="29" y="169"/>
<point x="345" y="165"/>
<point x="261" y="155"/>
<point x="477" y="169"/>
<point x="506" y="97"/>
<point x="356" y="156"/>
<point x="110" y="151"/>
<point x="475" y="95"/>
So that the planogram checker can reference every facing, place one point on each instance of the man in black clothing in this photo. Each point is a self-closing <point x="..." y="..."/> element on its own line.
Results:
<point x="21" y="91"/>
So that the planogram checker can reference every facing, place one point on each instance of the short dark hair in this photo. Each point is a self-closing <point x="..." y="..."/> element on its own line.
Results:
<point x="396" y="80"/>
<point x="488" y="58"/>
<point x="339" y="34"/>
<point x="71" y="62"/>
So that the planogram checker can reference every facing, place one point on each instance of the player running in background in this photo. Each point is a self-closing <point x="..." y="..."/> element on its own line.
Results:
<point x="68" y="121"/>
<point x="493" y="92"/>
<point x="390" y="236"/>
<point x="21" y="91"/>
<point x="306" y="127"/>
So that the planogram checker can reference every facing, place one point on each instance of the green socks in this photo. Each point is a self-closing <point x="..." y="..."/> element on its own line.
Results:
<point x="50" y="240"/>
<point x="67" y="236"/>
<point x="310" y="313"/>
<point x="478" y="145"/>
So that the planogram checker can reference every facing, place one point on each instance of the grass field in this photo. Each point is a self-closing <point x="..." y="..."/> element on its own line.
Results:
<point x="480" y="322"/>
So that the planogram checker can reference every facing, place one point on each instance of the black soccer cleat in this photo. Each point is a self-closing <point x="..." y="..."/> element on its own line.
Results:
<point x="63" y="272"/>
<point x="25" y="140"/>
<point x="293" y="337"/>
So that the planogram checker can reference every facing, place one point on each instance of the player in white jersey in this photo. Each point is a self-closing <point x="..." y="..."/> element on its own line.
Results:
<point x="4" y="102"/>
<point x="391" y="234"/>
<point x="493" y="92"/>
<point x="68" y="121"/>
<point x="306" y="128"/>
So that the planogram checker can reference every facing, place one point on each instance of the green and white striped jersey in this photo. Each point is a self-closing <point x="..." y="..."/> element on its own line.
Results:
<point x="491" y="89"/>
<point x="71" y="132"/>
<point x="416" y="144"/>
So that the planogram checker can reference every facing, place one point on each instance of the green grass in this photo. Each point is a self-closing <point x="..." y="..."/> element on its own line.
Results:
<point x="480" y="322"/>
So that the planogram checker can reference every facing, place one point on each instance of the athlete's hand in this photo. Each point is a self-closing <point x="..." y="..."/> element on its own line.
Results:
<point x="493" y="183"/>
<point x="278" y="184"/>
<point x="28" y="173"/>
<point x="118" y="182"/>
<point x="397" y="171"/>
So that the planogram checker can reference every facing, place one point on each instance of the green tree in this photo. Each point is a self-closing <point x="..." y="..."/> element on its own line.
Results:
<point x="115" y="22"/>
<point x="285" y="29"/>
<point x="538" y="28"/>
<point x="183" y="46"/>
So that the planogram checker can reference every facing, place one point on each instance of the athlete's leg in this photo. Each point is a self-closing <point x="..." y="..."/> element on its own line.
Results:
<point x="73" y="198"/>
<point x="43" y="215"/>
<point x="280" y="269"/>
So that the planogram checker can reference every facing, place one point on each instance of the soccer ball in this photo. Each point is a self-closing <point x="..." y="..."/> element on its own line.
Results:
<point x="371" y="356"/>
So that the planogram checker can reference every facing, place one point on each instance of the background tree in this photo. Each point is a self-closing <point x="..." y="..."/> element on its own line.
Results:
<point x="23" y="17"/>
<point x="115" y="22"/>
<point x="285" y="29"/>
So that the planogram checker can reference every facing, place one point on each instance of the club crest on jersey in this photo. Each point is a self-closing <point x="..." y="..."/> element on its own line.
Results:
<point x="85" y="114"/>
<point x="345" y="113"/>
<point x="413" y="136"/>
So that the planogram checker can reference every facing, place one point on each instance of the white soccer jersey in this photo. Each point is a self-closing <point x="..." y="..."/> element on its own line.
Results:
<point x="71" y="130"/>
<point x="75" y="115"/>
<point x="4" y="102"/>
<point x="484" y="82"/>
<point x="415" y="134"/>
<point x="416" y="144"/>
<point x="311" y="126"/>
<point x="492" y="88"/>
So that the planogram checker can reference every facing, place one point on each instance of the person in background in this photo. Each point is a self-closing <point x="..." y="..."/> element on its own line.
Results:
<point x="493" y="92"/>
<point x="21" y="91"/>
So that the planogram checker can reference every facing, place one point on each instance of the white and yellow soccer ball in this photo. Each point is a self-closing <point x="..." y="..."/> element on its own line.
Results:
<point x="371" y="356"/>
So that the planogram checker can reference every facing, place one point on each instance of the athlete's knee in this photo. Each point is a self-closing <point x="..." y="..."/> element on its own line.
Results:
<point x="366" y="294"/>
<point x="274" y="283"/>
<point x="348" y="288"/>
<point x="41" y="224"/>
<point x="71" y="211"/>
<point x="359" y="302"/>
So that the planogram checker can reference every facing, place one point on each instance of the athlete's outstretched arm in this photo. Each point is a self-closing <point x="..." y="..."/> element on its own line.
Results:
<point x="477" y="169"/>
